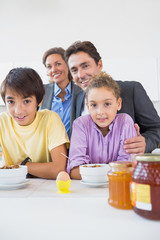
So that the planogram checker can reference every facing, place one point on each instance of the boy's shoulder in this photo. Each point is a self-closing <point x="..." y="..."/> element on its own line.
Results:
<point x="5" y="119"/>
<point x="48" y="117"/>
<point x="47" y="113"/>
<point x="4" y="115"/>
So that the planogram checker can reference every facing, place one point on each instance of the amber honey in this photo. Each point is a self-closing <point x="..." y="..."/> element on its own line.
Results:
<point x="120" y="177"/>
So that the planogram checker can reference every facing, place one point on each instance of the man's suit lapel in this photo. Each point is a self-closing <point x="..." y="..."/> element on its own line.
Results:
<point x="80" y="103"/>
<point x="75" y="91"/>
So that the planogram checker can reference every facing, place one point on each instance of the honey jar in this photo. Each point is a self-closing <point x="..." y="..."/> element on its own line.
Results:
<point x="120" y="177"/>
<point x="145" y="186"/>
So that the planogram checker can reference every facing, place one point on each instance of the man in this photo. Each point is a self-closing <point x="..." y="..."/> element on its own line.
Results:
<point x="84" y="62"/>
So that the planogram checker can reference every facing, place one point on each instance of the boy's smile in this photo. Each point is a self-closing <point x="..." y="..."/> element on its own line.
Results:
<point x="22" y="109"/>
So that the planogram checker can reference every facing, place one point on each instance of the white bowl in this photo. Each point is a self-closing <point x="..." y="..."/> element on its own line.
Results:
<point x="13" y="176"/>
<point x="94" y="173"/>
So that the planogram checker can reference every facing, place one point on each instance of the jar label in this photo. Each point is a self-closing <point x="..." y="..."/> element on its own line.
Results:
<point x="141" y="196"/>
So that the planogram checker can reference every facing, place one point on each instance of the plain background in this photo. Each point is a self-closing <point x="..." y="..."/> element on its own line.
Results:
<point x="125" y="32"/>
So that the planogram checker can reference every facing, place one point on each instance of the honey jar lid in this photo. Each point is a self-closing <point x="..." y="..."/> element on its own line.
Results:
<point x="148" y="157"/>
<point x="121" y="165"/>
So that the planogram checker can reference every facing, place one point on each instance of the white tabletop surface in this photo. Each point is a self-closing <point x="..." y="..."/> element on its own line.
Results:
<point x="38" y="212"/>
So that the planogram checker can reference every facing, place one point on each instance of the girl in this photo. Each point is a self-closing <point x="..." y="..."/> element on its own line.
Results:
<point x="99" y="136"/>
<point x="60" y="94"/>
<point x="27" y="136"/>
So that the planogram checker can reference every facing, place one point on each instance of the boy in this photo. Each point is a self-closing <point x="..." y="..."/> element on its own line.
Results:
<point x="27" y="136"/>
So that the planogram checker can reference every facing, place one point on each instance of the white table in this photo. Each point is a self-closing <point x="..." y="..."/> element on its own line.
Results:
<point x="38" y="212"/>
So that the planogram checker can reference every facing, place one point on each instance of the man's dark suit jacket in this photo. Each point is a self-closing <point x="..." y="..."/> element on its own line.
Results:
<point x="47" y="101"/>
<point x="137" y="104"/>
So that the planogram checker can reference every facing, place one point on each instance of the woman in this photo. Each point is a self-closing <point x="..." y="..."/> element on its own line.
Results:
<point x="61" y="92"/>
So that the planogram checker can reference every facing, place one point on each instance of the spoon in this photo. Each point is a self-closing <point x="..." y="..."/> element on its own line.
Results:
<point x="66" y="156"/>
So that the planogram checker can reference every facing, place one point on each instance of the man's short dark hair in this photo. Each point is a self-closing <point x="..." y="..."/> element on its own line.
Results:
<point x="84" y="46"/>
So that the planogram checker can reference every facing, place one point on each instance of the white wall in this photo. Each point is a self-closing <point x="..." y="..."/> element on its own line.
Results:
<point x="125" y="32"/>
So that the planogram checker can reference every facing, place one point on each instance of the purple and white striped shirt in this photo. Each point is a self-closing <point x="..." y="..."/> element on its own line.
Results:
<point x="88" y="145"/>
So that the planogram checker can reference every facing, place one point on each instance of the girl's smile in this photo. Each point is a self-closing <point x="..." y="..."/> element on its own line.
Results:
<point x="101" y="119"/>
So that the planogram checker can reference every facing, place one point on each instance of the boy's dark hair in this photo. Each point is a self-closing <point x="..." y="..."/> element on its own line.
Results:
<point x="56" y="50"/>
<point x="104" y="80"/>
<point x="84" y="46"/>
<point x="24" y="81"/>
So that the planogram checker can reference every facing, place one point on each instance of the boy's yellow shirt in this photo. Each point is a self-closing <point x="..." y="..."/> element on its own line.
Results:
<point x="35" y="140"/>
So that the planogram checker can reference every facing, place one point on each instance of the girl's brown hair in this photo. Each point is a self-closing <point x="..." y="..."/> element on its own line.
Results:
<point x="104" y="80"/>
